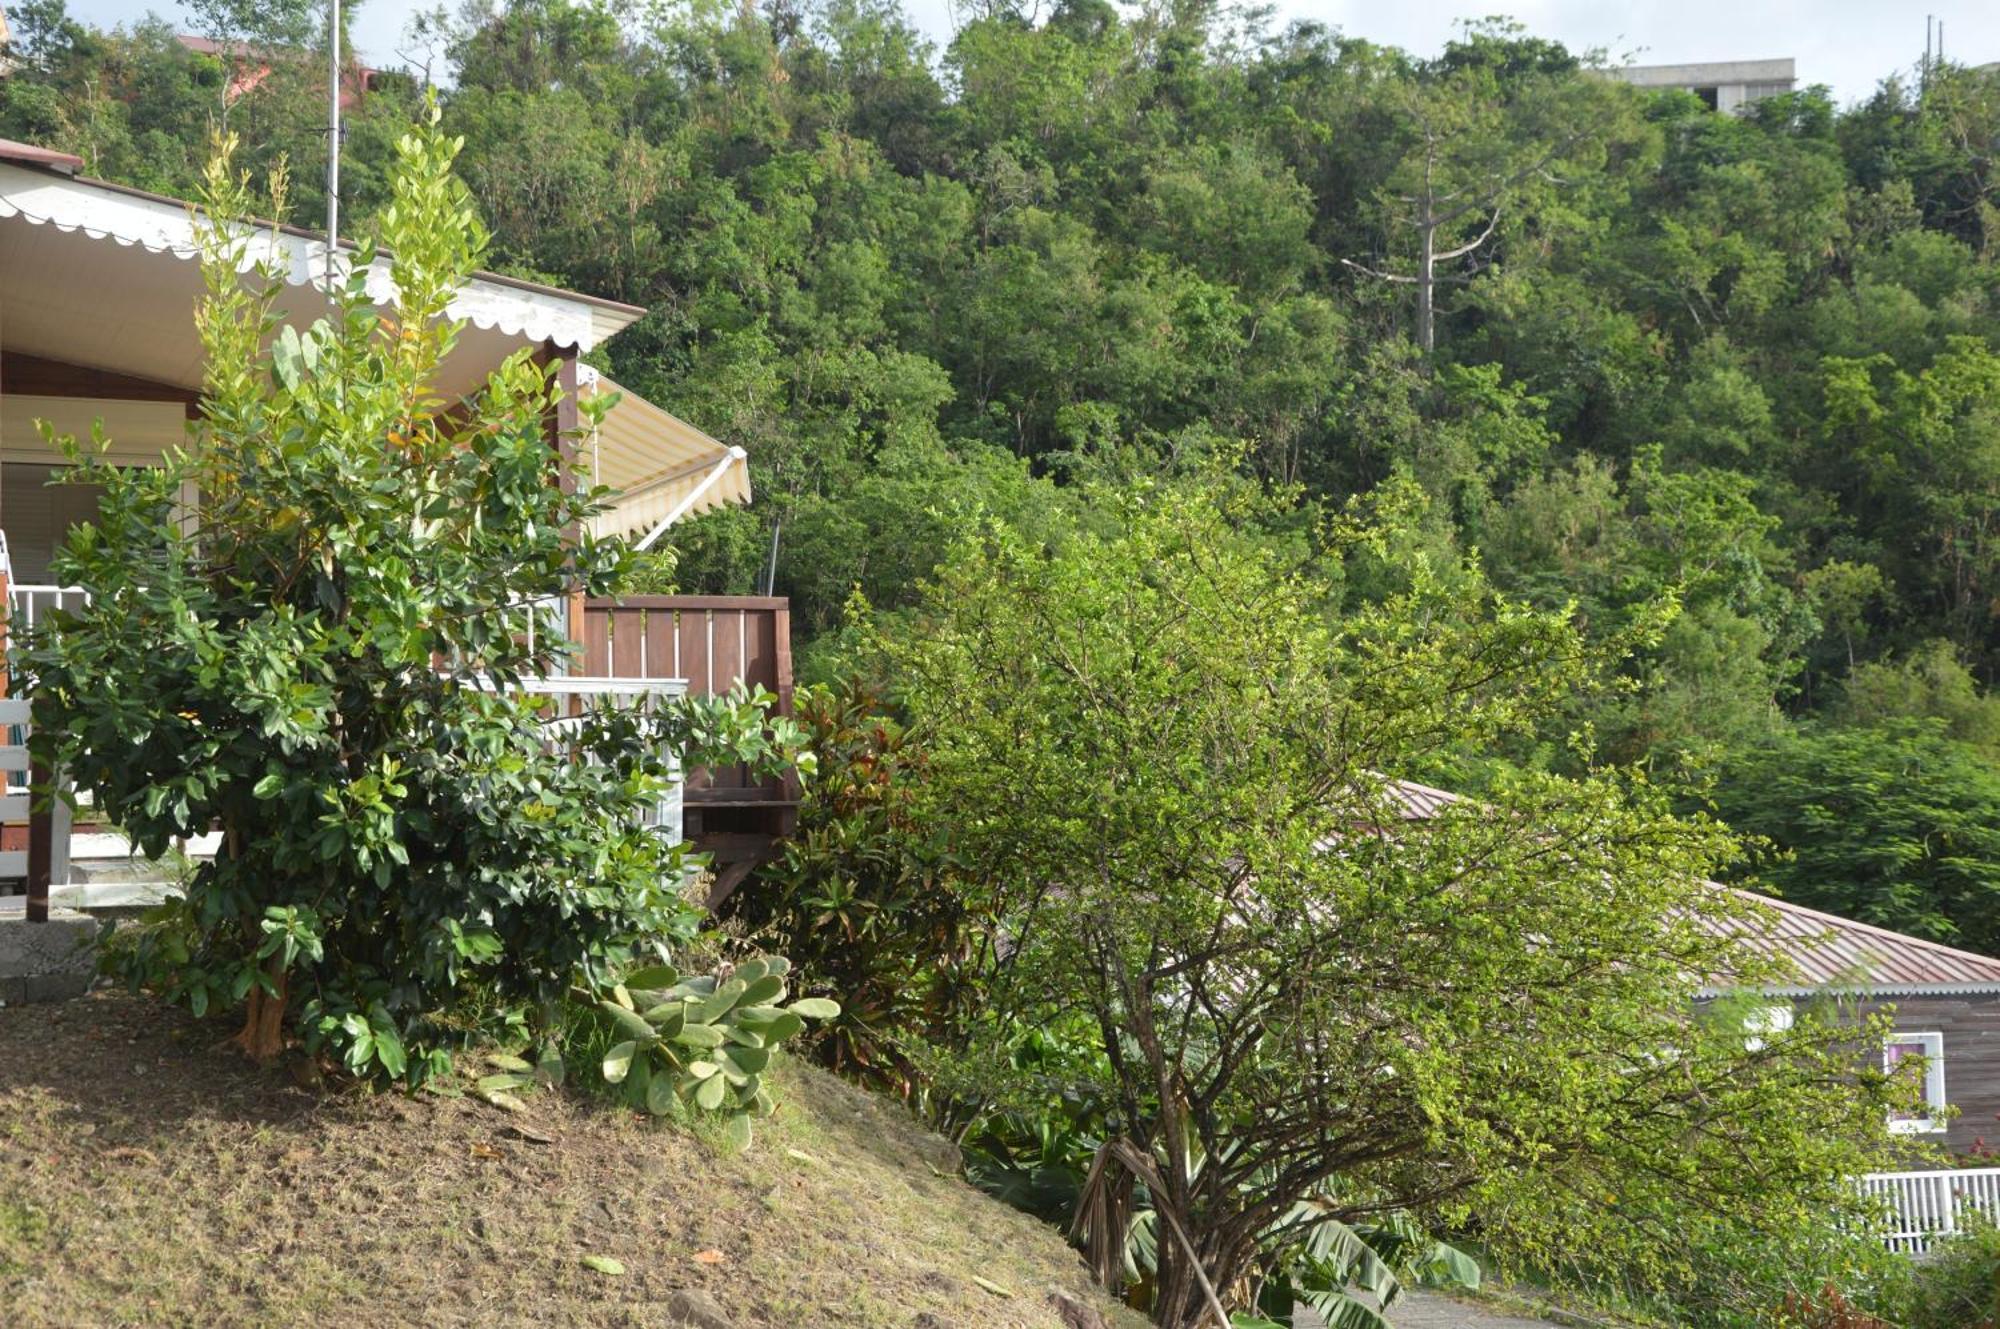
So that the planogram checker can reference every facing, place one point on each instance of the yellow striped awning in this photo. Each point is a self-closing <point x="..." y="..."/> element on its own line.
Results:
<point x="662" y="467"/>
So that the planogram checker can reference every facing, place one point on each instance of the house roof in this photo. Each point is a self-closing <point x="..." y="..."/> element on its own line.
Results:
<point x="100" y="275"/>
<point x="1821" y="951"/>
<point x="28" y="154"/>
<point x="1825" y="952"/>
<point x="83" y="282"/>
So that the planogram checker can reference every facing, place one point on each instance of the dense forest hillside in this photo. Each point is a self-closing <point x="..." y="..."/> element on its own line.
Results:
<point x="1749" y="365"/>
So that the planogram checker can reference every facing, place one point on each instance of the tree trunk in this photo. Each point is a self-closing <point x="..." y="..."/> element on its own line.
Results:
<point x="1184" y="1296"/>
<point x="1427" y="285"/>
<point x="263" y="1034"/>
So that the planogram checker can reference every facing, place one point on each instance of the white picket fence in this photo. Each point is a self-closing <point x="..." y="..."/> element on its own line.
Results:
<point x="1928" y="1206"/>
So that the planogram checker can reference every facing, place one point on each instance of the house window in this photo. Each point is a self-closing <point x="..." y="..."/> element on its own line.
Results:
<point x="1764" y="1021"/>
<point x="1918" y="1054"/>
<point x="37" y="515"/>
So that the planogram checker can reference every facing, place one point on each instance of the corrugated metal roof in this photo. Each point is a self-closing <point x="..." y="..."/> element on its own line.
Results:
<point x="1819" y="950"/>
<point x="1826" y="951"/>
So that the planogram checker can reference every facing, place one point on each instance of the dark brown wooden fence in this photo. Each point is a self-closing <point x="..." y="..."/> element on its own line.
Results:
<point x="714" y="642"/>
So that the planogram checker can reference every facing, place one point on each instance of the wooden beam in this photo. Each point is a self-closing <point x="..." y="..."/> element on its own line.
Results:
<point x="41" y="847"/>
<point x="728" y="876"/>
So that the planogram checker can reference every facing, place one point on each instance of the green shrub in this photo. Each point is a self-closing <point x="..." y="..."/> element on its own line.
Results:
<point x="309" y="661"/>
<point x="1958" y="1286"/>
<point x="680" y="1046"/>
<point x="864" y="898"/>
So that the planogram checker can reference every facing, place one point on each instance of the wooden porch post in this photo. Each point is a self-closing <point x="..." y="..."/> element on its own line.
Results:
<point x="41" y="844"/>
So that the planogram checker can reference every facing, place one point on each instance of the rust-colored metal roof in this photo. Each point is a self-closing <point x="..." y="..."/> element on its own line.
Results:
<point x="27" y="154"/>
<point x="1821" y="951"/>
<point x="1825" y="951"/>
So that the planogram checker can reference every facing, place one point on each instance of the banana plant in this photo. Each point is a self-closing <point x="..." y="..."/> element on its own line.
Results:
<point x="1349" y="1273"/>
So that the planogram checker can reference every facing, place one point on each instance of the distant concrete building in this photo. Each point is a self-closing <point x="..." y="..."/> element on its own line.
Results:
<point x="1726" y="85"/>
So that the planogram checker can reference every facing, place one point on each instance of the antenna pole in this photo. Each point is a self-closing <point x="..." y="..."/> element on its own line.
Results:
<point x="332" y="138"/>
<point x="771" y="566"/>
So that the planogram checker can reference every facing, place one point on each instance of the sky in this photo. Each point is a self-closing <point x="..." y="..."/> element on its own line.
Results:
<point x="1849" y="45"/>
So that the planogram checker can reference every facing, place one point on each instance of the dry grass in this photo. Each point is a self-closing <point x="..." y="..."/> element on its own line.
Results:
<point x="148" y="1177"/>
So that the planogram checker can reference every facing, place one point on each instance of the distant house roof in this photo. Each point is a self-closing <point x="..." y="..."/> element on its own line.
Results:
<point x="1828" y="952"/>
<point x="27" y="154"/>
<point x="1823" y="952"/>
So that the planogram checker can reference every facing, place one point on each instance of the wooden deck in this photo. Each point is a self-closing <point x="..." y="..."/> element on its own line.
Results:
<point x="709" y="645"/>
<point x="716" y="643"/>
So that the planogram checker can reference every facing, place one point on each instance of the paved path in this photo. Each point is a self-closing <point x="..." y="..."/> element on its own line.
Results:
<point x="1428" y="1310"/>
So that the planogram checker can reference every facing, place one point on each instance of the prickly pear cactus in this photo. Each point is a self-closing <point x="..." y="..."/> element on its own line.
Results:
<point x="702" y="1044"/>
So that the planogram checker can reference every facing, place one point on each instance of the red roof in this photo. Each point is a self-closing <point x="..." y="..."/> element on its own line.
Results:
<point x="29" y="155"/>
<point x="1822" y="951"/>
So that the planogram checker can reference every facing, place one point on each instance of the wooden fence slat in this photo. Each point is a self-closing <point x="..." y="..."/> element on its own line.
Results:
<point x="627" y="642"/>
<point x="697" y="629"/>
<point x="726" y="631"/>
<point x="596" y="640"/>
<point x="660" y="644"/>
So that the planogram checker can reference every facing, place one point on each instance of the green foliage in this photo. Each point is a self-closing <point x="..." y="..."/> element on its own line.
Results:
<point x="1958" y="1286"/>
<point x="1150" y="739"/>
<point x="863" y="897"/>
<point x="699" y="1046"/>
<point x="914" y="284"/>
<point x="1741" y="364"/>
<point x="1897" y="825"/>
<point x="317" y="658"/>
<point x="1325" y="1263"/>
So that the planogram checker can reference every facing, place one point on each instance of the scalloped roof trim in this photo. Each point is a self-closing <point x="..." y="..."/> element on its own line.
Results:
<point x="127" y="217"/>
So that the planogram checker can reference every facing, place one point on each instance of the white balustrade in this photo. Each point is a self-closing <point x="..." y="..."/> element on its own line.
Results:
<point x="1928" y="1206"/>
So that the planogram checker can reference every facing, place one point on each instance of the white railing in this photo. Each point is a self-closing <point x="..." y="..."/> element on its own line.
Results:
<point x="1926" y="1207"/>
<point x="577" y="695"/>
<point x="27" y="601"/>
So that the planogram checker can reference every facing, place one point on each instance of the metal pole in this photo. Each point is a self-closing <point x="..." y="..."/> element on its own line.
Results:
<point x="771" y="564"/>
<point x="332" y="138"/>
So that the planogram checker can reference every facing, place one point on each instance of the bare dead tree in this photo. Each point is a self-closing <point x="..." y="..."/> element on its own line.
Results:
<point x="1433" y="211"/>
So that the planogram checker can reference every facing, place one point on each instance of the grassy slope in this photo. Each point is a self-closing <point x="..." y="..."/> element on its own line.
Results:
<point x="147" y="1177"/>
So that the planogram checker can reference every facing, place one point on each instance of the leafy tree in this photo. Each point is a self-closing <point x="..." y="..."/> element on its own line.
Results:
<point x="1169" y="767"/>
<point x="1480" y="136"/>
<point x="317" y="660"/>
<point x="1896" y="825"/>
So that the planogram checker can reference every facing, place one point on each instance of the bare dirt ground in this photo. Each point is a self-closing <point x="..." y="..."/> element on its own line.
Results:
<point x="1432" y="1310"/>
<point x="150" y="1177"/>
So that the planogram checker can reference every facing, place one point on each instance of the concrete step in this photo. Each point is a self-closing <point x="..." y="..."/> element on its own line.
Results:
<point x="50" y="961"/>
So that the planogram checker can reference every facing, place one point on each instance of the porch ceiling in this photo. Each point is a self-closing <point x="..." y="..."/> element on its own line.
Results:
<point x="96" y="275"/>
